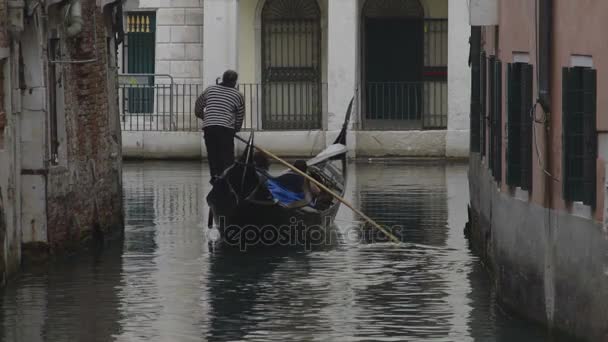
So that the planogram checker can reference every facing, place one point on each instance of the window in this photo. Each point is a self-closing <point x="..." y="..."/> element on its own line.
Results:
<point x="475" y="62"/>
<point x="519" y="125"/>
<point x="579" y="134"/>
<point x="495" y="117"/>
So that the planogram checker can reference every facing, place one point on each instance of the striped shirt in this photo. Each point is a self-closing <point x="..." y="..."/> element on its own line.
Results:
<point x="221" y="106"/>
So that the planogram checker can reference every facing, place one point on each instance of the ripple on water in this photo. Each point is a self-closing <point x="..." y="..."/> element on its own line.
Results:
<point x="164" y="282"/>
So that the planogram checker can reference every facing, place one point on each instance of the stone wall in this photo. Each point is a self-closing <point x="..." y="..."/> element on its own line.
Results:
<point x="549" y="265"/>
<point x="179" y="37"/>
<point x="84" y="195"/>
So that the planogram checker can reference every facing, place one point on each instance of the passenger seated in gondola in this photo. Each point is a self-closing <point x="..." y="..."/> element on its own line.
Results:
<point x="260" y="161"/>
<point x="296" y="182"/>
<point x="292" y="187"/>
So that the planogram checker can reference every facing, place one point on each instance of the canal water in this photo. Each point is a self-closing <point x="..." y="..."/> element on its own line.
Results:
<point x="166" y="281"/>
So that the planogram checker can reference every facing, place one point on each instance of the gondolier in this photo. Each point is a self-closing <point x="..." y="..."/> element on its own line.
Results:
<point x="222" y="109"/>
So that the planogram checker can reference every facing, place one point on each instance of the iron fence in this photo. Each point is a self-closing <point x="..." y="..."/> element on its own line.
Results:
<point x="165" y="106"/>
<point x="404" y="105"/>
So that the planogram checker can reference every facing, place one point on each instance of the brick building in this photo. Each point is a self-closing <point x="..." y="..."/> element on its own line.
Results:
<point x="60" y="153"/>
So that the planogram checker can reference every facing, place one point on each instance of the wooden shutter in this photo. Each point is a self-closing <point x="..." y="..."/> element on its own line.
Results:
<point x="475" y="89"/>
<point x="526" y="145"/>
<point x="514" y="108"/>
<point x="491" y="109"/>
<point x="579" y="136"/>
<point x="497" y="122"/>
<point x="568" y="134"/>
<point x="483" y="93"/>
<point x="589" y="78"/>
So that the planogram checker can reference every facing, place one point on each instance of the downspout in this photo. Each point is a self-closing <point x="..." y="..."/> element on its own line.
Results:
<point x="16" y="10"/>
<point x="545" y="62"/>
<point x="545" y="45"/>
<point x="73" y="18"/>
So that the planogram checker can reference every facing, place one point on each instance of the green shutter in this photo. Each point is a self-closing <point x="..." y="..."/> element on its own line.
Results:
<point x="514" y="108"/>
<point x="579" y="136"/>
<point x="589" y="99"/>
<point x="475" y="88"/>
<point x="141" y="46"/>
<point x="497" y="123"/>
<point x="483" y="94"/>
<point x="566" y="103"/>
<point x="526" y="144"/>
<point x="491" y="109"/>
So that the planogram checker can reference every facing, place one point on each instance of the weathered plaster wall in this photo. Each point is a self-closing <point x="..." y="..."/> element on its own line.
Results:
<point x="548" y="265"/>
<point x="9" y="176"/>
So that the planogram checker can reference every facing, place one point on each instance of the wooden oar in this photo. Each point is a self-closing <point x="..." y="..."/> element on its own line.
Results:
<point x="324" y="188"/>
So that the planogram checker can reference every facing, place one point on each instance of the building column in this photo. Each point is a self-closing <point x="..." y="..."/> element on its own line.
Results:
<point x="459" y="80"/>
<point x="219" y="38"/>
<point x="342" y="27"/>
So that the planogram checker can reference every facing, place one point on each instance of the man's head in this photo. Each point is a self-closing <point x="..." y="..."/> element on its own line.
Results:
<point x="229" y="78"/>
<point x="261" y="161"/>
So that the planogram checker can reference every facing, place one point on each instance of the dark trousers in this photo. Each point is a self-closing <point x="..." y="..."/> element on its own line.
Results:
<point x="219" y="142"/>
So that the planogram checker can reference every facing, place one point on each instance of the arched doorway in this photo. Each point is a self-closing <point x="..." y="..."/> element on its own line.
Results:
<point x="291" y="65"/>
<point x="393" y="63"/>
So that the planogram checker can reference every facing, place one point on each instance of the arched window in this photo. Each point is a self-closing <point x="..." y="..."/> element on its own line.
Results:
<point x="291" y="64"/>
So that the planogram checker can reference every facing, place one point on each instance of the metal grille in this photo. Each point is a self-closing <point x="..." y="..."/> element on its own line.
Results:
<point x="579" y="134"/>
<point x="291" y="65"/>
<point x="139" y="58"/>
<point x="174" y="105"/>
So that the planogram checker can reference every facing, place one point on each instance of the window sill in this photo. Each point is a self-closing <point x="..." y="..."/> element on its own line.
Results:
<point x="521" y="195"/>
<point x="581" y="210"/>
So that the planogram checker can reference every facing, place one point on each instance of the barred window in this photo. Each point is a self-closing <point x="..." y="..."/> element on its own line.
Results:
<point x="579" y="134"/>
<point x="519" y="125"/>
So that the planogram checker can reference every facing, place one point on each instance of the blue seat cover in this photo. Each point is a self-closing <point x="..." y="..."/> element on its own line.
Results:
<point x="282" y="194"/>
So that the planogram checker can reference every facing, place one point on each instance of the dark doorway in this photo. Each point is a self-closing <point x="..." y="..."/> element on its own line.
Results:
<point x="394" y="50"/>
<point x="393" y="68"/>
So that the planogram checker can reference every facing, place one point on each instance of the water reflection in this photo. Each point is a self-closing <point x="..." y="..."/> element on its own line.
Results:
<point x="166" y="282"/>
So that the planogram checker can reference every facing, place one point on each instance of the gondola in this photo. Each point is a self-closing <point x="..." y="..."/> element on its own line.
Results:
<point x="252" y="208"/>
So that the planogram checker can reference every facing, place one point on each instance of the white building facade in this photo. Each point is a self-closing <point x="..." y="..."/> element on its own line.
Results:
<point x="403" y="62"/>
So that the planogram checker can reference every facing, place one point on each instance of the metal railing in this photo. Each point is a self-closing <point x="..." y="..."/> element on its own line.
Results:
<point x="155" y="105"/>
<point x="404" y="105"/>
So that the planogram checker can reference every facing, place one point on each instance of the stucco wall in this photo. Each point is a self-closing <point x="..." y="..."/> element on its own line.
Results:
<point x="548" y="265"/>
<point x="517" y="35"/>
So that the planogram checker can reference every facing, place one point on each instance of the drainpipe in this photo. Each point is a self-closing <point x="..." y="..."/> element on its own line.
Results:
<point x="73" y="18"/>
<point x="15" y="18"/>
<point x="545" y="18"/>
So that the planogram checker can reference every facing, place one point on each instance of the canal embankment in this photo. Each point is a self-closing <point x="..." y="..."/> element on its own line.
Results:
<point x="397" y="144"/>
<point x="547" y="265"/>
